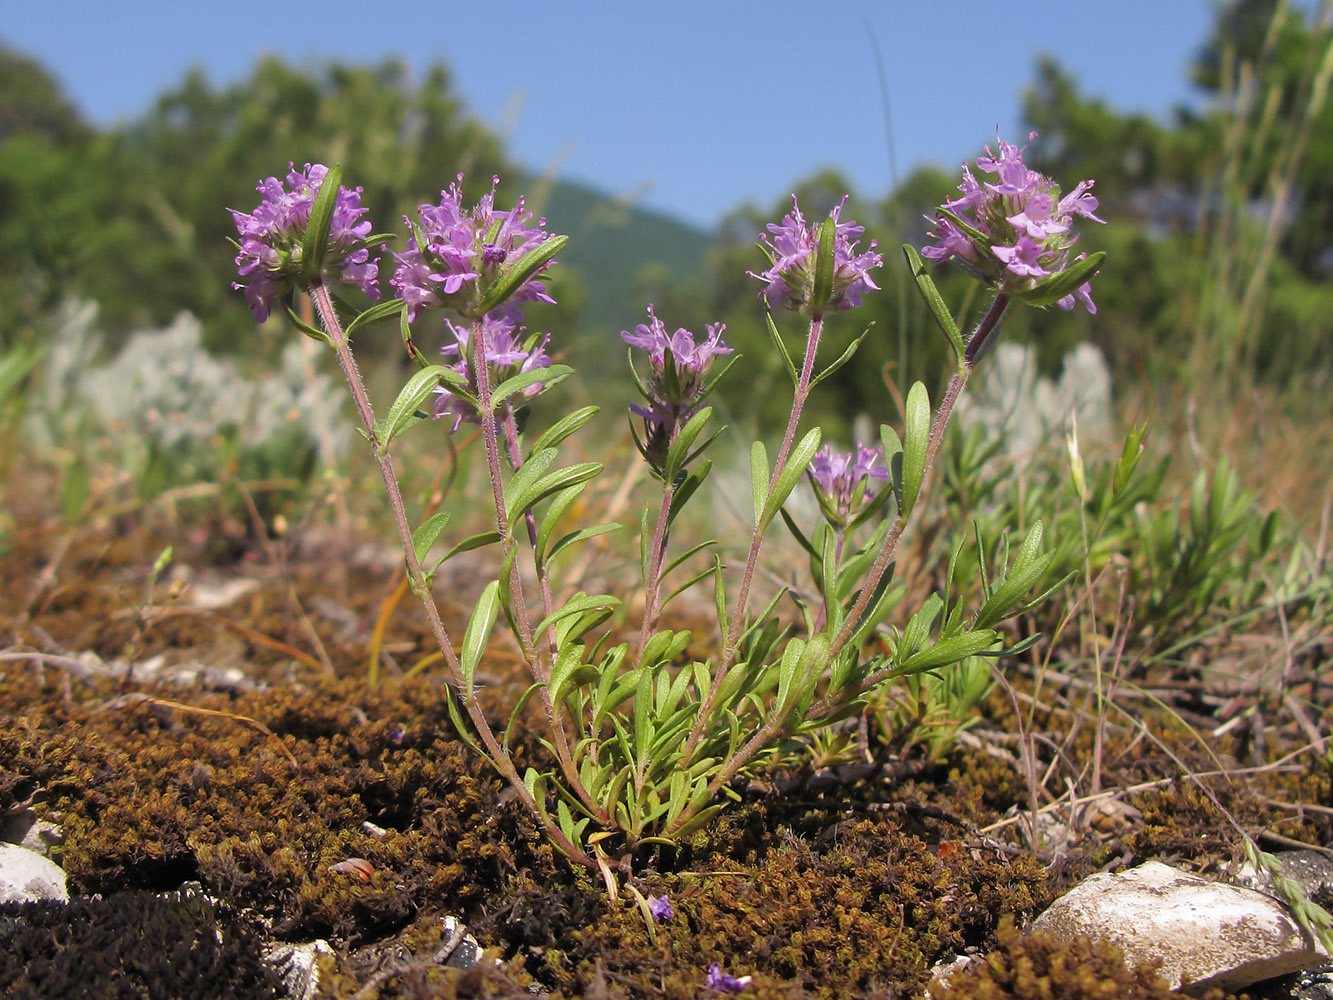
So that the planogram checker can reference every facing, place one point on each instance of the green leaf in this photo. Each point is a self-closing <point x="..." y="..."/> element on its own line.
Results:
<point x="467" y="545"/>
<point x="478" y="631"/>
<point x="759" y="478"/>
<point x="1129" y="459"/>
<point x="582" y="535"/>
<point x="567" y="670"/>
<point x="554" y="512"/>
<point x="643" y="712"/>
<point x="842" y="358"/>
<point x="314" y="333"/>
<point x="548" y="376"/>
<point x="420" y="387"/>
<point x="379" y="311"/>
<point x="409" y="344"/>
<point x="916" y="442"/>
<point x="934" y="302"/>
<point x="797" y="464"/>
<point x="776" y="338"/>
<point x="680" y="447"/>
<point x="949" y="651"/>
<point x="460" y="727"/>
<point x="687" y="488"/>
<point x="577" y="605"/>
<point x="525" y="477"/>
<point x="518" y="712"/>
<point x="552" y="482"/>
<point x="315" y="243"/>
<point x="919" y="626"/>
<point x="1028" y="569"/>
<point x="822" y="291"/>
<point x="425" y="535"/>
<point x="1051" y="290"/>
<point x="516" y="273"/>
<point x="563" y="428"/>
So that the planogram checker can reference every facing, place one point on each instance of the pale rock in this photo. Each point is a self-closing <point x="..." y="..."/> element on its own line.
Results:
<point x="296" y="965"/>
<point x="26" y="877"/>
<point x="1212" y="933"/>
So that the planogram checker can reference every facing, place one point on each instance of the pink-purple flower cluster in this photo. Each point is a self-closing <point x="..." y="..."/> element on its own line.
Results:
<point x="793" y="253"/>
<point x="270" y="261"/>
<point x="843" y="478"/>
<point x="507" y="354"/>
<point x="1025" y="225"/>
<point x="675" y="389"/>
<point x="454" y="256"/>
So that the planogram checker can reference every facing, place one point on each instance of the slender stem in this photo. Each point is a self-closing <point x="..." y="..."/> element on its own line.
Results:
<point x="737" y="628"/>
<point x="482" y="375"/>
<point x="985" y="329"/>
<point x="555" y="722"/>
<point x="499" y="757"/>
<point x="652" y="585"/>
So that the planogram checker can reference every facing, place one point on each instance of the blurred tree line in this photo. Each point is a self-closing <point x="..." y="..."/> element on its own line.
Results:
<point x="1219" y="220"/>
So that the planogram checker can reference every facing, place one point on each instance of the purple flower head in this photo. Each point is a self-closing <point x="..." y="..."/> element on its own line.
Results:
<point x="270" y="259"/>
<point x="507" y="354"/>
<point x="660" y="907"/>
<point x="454" y="258"/>
<point x="843" y="479"/>
<point x="793" y="250"/>
<point x="719" y="982"/>
<point x="676" y="388"/>
<point x="689" y="361"/>
<point x="1025" y="225"/>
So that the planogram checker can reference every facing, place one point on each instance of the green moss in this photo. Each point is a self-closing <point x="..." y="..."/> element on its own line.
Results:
<point x="1038" y="967"/>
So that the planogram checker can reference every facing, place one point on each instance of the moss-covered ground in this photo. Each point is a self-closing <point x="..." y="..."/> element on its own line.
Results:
<point x="259" y="783"/>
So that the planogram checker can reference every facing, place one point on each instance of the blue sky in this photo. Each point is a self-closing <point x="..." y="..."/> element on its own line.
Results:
<point x="691" y="107"/>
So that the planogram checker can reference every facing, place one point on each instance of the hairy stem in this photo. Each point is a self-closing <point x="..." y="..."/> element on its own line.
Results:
<point x="498" y="756"/>
<point x="737" y="628"/>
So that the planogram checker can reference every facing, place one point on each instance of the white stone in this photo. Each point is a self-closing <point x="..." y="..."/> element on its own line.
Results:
<point x="26" y="877"/>
<point x="1212" y="933"/>
<point x="296" y="966"/>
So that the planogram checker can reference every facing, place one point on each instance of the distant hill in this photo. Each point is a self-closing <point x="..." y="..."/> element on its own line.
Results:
<point x="611" y="242"/>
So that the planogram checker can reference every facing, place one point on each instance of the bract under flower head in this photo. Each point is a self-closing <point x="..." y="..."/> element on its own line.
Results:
<point x="842" y="478"/>
<point x="507" y="354"/>
<point x="1021" y="226"/>
<point x="454" y="257"/>
<point x="270" y="258"/>
<point x="792" y="251"/>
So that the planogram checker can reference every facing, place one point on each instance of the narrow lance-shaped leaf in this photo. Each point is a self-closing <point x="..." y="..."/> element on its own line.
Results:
<point x="916" y="442"/>
<point x="797" y="464"/>
<point x="315" y="244"/>
<point x="758" y="478"/>
<point x="477" y="633"/>
<point x="1051" y="290"/>
<point x="934" y="301"/>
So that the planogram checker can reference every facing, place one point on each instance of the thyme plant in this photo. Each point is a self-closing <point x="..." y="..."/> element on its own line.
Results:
<point x="644" y="741"/>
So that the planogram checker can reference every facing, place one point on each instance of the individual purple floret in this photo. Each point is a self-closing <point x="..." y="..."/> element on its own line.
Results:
<point x="843" y="478"/>
<point x="453" y="256"/>
<point x="793" y="250"/>
<point x="675" y="388"/>
<point x="507" y="353"/>
<point x="719" y="982"/>
<point x="660" y="907"/>
<point x="270" y="259"/>
<point x="1026" y="226"/>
